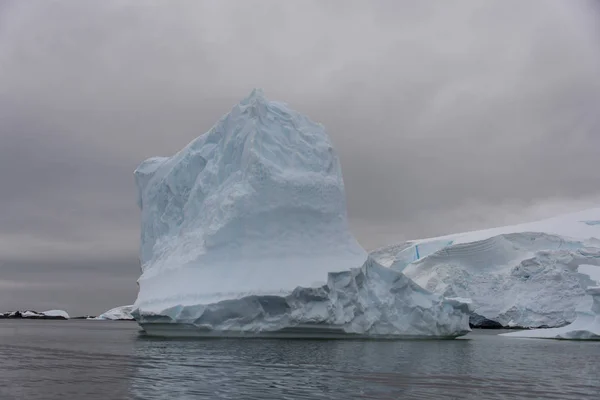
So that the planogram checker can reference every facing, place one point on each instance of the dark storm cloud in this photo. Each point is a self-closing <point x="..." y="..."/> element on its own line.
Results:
<point x="446" y="117"/>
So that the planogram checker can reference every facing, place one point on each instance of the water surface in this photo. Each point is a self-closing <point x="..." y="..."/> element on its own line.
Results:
<point x="110" y="360"/>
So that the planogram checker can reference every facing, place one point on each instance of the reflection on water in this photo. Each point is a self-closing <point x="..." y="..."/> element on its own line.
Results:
<point x="110" y="360"/>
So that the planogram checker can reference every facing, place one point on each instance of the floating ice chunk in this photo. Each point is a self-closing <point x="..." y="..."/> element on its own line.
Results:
<point x="56" y="313"/>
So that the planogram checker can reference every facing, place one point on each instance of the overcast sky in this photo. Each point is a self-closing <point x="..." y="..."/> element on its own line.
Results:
<point x="447" y="116"/>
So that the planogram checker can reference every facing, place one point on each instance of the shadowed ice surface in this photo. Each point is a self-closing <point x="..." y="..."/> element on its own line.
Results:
<point x="110" y="360"/>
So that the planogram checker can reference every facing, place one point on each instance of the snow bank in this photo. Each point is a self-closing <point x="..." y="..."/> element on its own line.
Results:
<point x="56" y="313"/>
<point x="527" y="275"/>
<point x="247" y="213"/>
<point x="117" y="313"/>
<point x="579" y="225"/>
<point x="585" y="327"/>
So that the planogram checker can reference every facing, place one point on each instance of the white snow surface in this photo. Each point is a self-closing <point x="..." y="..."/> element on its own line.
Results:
<point x="583" y="224"/>
<point x="56" y="313"/>
<point x="585" y="327"/>
<point x="579" y="225"/>
<point x="28" y="313"/>
<point x="122" y="312"/>
<point x="241" y="228"/>
<point x="526" y="275"/>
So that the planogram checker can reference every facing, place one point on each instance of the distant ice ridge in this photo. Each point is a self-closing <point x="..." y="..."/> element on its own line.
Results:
<point x="117" y="313"/>
<point x="50" y="314"/>
<point x="527" y="275"/>
<point x="241" y="228"/>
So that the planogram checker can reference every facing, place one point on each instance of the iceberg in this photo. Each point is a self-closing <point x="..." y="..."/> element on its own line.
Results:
<point x="56" y="313"/>
<point x="585" y="327"/>
<point x="122" y="313"/>
<point x="244" y="232"/>
<point x="528" y="275"/>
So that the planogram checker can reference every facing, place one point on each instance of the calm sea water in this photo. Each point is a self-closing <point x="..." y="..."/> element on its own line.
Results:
<point x="111" y="360"/>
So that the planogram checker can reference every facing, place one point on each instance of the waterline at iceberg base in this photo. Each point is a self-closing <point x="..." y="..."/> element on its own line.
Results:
<point x="245" y="233"/>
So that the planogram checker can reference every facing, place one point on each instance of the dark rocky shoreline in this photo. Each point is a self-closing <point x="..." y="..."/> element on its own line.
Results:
<point x="20" y="315"/>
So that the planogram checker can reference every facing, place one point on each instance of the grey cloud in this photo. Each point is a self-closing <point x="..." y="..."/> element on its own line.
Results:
<point x="446" y="116"/>
<point x="78" y="286"/>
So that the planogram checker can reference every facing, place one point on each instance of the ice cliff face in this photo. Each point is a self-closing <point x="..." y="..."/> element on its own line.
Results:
<point x="527" y="275"/>
<point x="247" y="213"/>
<point x="585" y="327"/>
<point x="372" y="301"/>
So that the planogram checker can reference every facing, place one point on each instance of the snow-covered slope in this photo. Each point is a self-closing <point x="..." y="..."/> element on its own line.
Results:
<point x="245" y="214"/>
<point x="583" y="224"/>
<point x="585" y="327"/>
<point x="579" y="225"/>
<point x="527" y="275"/>
<point x="387" y="255"/>
<point x="117" y="313"/>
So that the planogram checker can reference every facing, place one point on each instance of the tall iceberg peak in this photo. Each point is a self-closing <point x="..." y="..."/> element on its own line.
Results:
<point x="255" y="205"/>
<point x="245" y="229"/>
